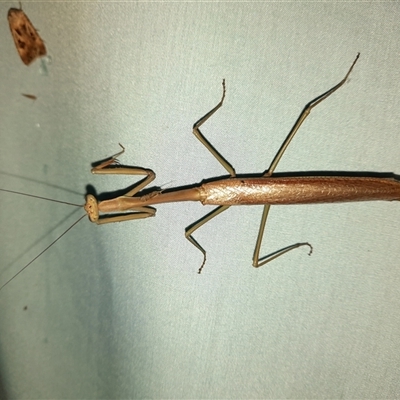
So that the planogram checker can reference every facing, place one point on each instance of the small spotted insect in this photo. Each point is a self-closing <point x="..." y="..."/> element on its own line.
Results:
<point x="26" y="38"/>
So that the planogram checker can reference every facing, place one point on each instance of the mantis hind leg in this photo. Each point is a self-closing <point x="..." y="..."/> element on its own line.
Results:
<point x="304" y="114"/>
<point x="257" y="261"/>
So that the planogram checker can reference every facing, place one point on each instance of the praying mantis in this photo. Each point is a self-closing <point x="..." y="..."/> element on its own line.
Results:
<point x="262" y="189"/>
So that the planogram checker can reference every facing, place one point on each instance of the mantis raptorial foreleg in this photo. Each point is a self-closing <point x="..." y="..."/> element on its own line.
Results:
<point x="257" y="261"/>
<point x="105" y="168"/>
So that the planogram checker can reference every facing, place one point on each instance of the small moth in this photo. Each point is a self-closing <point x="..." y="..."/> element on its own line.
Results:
<point x="26" y="38"/>
<point x="29" y="96"/>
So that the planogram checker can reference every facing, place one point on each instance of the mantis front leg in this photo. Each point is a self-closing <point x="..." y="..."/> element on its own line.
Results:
<point x="111" y="166"/>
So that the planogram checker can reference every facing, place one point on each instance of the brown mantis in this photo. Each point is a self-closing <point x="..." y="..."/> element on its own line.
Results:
<point x="265" y="189"/>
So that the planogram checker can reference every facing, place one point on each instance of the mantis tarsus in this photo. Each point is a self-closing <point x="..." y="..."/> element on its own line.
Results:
<point x="265" y="188"/>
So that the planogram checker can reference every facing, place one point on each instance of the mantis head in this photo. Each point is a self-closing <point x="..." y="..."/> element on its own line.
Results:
<point x="91" y="208"/>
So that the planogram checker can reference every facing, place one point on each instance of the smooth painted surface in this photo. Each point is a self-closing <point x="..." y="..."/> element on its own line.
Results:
<point x="119" y="311"/>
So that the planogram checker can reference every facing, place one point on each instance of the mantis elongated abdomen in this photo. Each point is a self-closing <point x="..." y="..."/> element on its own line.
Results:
<point x="299" y="190"/>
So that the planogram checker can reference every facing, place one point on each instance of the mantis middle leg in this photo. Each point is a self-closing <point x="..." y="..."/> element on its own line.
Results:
<point x="196" y="131"/>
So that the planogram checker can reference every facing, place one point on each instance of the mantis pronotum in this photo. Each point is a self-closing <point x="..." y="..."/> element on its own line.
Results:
<point x="264" y="189"/>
